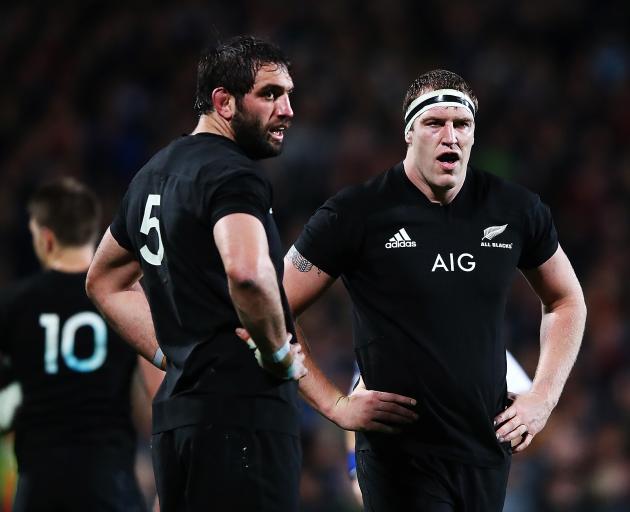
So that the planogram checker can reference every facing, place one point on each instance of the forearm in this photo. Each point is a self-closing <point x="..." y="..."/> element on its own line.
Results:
<point x="128" y="312"/>
<point x="257" y="303"/>
<point x="316" y="389"/>
<point x="561" y="331"/>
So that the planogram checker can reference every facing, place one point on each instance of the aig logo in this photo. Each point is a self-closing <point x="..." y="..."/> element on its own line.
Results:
<point x="464" y="262"/>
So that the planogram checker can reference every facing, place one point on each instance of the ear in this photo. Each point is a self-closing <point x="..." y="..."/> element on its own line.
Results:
<point x="223" y="103"/>
<point x="49" y="240"/>
<point x="408" y="136"/>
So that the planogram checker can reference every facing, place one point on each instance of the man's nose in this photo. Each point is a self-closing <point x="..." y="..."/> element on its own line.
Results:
<point x="449" y="136"/>
<point x="283" y="107"/>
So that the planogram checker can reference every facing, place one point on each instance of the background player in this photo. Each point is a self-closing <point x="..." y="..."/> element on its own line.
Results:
<point x="74" y="439"/>
<point x="196" y="224"/>
<point x="427" y="251"/>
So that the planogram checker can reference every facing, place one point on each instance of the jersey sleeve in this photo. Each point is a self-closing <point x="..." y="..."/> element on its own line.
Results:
<point x="242" y="191"/>
<point x="541" y="237"/>
<point x="118" y="227"/>
<point x="331" y="238"/>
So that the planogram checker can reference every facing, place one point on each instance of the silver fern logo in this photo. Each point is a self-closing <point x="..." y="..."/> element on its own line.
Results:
<point x="493" y="231"/>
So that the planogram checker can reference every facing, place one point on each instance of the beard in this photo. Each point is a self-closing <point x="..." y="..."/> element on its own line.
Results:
<point x="253" y="137"/>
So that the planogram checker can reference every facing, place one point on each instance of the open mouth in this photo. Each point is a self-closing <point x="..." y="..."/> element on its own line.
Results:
<point x="448" y="158"/>
<point x="277" y="133"/>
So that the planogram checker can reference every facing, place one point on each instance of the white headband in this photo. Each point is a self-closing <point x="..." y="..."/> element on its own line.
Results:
<point x="439" y="98"/>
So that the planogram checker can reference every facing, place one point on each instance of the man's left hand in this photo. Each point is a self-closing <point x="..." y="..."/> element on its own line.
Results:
<point x="522" y="420"/>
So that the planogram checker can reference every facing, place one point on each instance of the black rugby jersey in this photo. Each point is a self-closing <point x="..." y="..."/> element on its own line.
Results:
<point x="74" y="371"/>
<point x="429" y="285"/>
<point x="166" y="220"/>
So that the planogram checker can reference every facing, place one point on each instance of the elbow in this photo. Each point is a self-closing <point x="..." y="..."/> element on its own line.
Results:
<point x="582" y="307"/>
<point x="91" y="286"/>
<point x="247" y="277"/>
<point x="580" y="303"/>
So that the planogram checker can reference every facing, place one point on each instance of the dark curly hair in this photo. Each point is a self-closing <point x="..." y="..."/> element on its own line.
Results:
<point x="233" y="64"/>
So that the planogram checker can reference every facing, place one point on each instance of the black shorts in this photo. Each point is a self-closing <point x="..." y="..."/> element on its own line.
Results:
<point x="212" y="467"/>
<point x="403" y="482"/>
<point x="66" y="487"/>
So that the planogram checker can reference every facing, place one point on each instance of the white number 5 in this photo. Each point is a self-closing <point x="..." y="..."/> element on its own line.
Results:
<point x="149" y="223"/>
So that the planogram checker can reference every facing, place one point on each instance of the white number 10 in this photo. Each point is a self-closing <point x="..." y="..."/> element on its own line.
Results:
<point x="149" y="223"/>
<point x="50" y="322"/>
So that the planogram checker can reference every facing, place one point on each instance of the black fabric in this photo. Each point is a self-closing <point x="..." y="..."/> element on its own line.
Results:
<point x="211" y="467"/>
<point x="399" y="482"/>
<point x="429" y="285"/>
<point x="77" y="482"/>
<point x="75" y="372"/>
<point x="197" y="180"/>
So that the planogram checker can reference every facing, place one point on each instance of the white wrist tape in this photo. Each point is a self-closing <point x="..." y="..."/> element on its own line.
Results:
<point x="282" y="352"/>
<point x="157" y="358"/>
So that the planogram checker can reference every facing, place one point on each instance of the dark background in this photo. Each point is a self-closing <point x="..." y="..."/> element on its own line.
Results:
<point x="93" y="89"/>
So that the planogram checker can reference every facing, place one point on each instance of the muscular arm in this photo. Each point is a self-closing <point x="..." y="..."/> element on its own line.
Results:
<point x="361" y="410"/>
<point x="113" y="285"/>
<point x="252" y="281"/>
<point x="561" y="330"/>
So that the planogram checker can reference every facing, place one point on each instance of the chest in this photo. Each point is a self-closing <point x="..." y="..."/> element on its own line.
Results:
<point x="434" y="249"/>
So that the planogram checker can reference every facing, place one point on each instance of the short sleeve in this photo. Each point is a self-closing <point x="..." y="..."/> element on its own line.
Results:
<point x="118" y="227"/>
<point x="540" y="237"/>
<point x="242" y="191"/>
<point x="331" y="238"/>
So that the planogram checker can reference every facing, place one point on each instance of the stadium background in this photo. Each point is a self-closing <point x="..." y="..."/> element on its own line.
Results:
<point x="92" y="89"/>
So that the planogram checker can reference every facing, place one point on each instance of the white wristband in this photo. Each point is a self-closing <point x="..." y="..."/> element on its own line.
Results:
<point x="282" y="352"/>
<point x="157" y="358"/>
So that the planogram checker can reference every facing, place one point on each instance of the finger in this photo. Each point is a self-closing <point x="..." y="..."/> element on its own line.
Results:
<point x="507" y="428"/>
<point x="514" y="443"/>
<point x="526" y="442"/>
<point x="242" y="333"/>
<point x="393" y="397"/>
<point x="509" y="413"/>
<point x="396" y="409"/>
<point x="391" y="418"/>
<point x="517" y="433"/>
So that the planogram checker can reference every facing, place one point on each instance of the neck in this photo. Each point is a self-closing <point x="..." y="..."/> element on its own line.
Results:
<point x="212" y="123"/>
<point x="70" y="259"/>
<point x="435" y="194"/>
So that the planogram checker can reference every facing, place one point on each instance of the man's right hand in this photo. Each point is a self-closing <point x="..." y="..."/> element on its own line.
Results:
<point x="290" y="367"/>
<point x="376" y="411"/>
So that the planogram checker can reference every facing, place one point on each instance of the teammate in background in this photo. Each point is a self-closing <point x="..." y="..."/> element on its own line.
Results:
<point x="196" y="224"/>
<point x="74" y="439"/>
<point x="427" y="251"/>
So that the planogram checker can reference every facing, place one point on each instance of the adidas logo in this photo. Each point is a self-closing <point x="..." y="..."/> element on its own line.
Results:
<point x="400" y="239"/>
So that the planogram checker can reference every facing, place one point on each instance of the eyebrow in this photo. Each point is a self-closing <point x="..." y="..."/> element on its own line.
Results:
<point x="275" y="88"/>
<point x="455" y="119"/>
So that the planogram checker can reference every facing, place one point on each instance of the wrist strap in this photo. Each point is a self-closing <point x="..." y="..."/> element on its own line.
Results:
<point x="157" y="358"/>
<point x="282" y="352"/>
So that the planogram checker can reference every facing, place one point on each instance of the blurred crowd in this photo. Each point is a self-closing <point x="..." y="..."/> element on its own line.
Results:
<point x="93" y="89"/>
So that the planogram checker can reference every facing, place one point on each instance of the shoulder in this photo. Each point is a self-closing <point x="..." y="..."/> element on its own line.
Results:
<point x="20" y="291"/>
<point x="503" y="192"/>
<point x="362" y="197"/>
